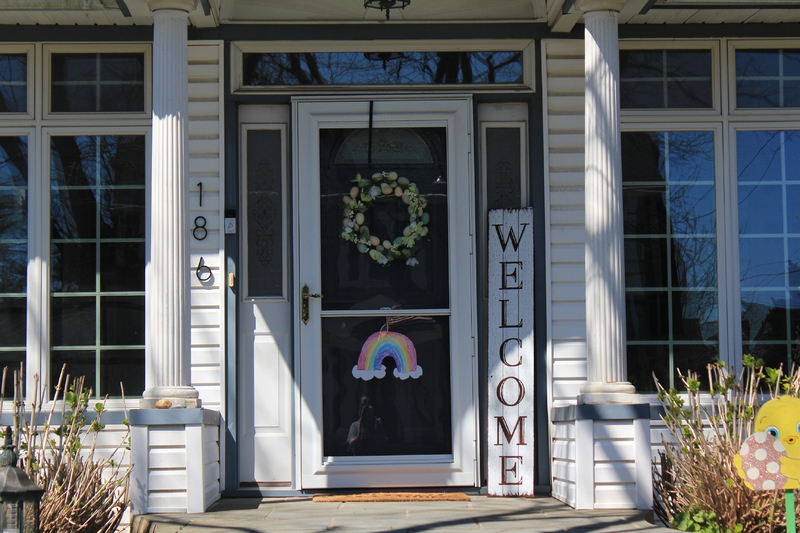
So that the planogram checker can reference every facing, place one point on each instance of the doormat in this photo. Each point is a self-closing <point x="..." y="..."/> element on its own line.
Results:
<point x="394" y="497"/>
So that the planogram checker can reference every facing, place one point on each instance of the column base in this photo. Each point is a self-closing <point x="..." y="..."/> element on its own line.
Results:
<point x="170" y="398"/>
<point x="609" y="392"/>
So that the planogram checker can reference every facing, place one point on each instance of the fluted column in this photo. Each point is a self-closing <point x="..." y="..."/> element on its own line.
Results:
<point x="605" y="267"/>
<point x="167" y="334"/>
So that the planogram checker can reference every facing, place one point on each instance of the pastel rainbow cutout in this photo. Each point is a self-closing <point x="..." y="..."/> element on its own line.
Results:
<point x="385" y="344"/>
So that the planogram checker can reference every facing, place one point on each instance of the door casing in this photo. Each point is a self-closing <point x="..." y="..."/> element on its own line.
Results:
<point x="460" y="468"/>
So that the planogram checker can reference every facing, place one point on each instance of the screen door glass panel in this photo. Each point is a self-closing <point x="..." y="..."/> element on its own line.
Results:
<point x="407" y="411"/>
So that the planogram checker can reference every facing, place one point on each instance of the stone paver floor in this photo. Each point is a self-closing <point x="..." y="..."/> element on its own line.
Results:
<point x="301" y="515"/>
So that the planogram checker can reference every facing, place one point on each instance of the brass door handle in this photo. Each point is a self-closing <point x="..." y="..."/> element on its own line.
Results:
<point x="305" y="295"/>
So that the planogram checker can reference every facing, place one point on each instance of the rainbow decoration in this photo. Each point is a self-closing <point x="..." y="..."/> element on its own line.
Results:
<point x="385" y="344"/>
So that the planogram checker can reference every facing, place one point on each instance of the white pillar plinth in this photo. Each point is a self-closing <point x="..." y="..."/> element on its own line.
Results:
<point x="167" y="333"/>
<point x="605" y="266"/>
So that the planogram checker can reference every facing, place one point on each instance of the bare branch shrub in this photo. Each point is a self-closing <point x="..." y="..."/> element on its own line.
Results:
<point x="696" y="485"/>
<point x="86" y="489"/>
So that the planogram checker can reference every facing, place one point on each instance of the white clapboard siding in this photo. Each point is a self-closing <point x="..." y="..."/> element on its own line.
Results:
<point x="563" y="469"/>
<point x="614" y="465"/>
<point x="205" y="165"/>
<point x="564" y="127"/>
<point x="211" y="466"/>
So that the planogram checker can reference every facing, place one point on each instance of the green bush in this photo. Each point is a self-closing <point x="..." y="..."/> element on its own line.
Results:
<point x="696" y="485"/>
<point x="86" y="491"/>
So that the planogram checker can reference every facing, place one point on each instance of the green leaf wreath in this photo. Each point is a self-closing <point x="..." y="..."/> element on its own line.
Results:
<point x="381" y="188"/>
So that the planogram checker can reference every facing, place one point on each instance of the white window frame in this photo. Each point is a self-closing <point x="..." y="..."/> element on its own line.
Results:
<point x="47" y="53"/>
<point x="526" y="46"/>
<point x="726" y="121"/>
<point x="723" y="320"/>
<point x="756" y="112"/>
<point x="39" y="125"/>
<point x="27" y="49"/>
<point x="697" y="114"/>
<point x="42" y="204"/>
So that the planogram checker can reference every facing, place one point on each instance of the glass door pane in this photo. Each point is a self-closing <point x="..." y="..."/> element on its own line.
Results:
<point x="386" y="376"/>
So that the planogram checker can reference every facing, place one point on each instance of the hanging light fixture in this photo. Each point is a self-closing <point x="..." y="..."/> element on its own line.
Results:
<point x="386" y="5"/>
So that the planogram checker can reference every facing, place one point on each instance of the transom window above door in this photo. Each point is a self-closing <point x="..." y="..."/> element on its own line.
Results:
<point x="314" y="65"/>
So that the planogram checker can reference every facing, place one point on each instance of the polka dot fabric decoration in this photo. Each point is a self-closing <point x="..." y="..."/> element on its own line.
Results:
<point x="761" y="461"/>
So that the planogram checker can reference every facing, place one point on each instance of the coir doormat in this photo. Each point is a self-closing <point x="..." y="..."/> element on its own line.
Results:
<point x="394" y="497"/>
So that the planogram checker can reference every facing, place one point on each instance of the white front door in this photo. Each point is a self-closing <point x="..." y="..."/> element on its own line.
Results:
<point x="385" y="336"/>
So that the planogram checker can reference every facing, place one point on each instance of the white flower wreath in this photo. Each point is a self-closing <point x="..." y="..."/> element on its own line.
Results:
<point x="384" y="187"/>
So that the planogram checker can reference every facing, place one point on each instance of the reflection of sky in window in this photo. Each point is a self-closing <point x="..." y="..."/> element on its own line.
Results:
<point x="665" y="79"/>
<point x="353" y="68"/>
<point x="13" y="83"/>
<point x="767" y="78"/>
<point x="13" y="214"/>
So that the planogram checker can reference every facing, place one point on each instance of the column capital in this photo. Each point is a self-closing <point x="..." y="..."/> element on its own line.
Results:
<point x="180" y="5"/>
<point x="599" y="5"/>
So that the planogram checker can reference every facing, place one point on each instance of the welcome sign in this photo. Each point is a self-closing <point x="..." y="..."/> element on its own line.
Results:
<point x="511" y="354"/>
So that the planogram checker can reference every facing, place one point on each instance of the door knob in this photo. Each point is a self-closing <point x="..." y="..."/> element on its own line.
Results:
<point x="305" y="295"/>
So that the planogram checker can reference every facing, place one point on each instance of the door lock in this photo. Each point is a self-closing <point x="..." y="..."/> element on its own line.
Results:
<point x="305" y="295"/>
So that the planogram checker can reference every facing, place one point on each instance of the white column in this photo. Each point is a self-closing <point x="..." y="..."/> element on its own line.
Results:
<point x="605" y="267"/>
<point x="167" y="315"/>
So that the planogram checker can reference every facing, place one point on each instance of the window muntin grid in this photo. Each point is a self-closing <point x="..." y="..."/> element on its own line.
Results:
<point x="13" y="83"/>
<point x="768" y="189"/>
<point x="669" y="218"/>
<point x="767" y="78"/>
<point x="13" y="249"/>
<point x="97" y="251"/>
<point x="97" y="82"/>
<point x="666" y="79"/>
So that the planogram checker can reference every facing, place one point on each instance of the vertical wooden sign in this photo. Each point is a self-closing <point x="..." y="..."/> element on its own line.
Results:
<point x="511" y="358"/>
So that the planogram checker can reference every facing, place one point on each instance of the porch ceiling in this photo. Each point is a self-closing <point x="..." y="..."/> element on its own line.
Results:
<point x="560" y="15"/>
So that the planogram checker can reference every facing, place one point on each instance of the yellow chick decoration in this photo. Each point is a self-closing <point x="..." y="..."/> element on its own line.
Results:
<point x="770" y="458"/>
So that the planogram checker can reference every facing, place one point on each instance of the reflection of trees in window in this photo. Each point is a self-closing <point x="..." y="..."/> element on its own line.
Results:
<point x="355" y="68"/>
<point x="13" y="83"/>
<point x="767" y="78"/>
<point x="657" y="79"/>
<point x="13" y="214"/>
<point x="769" y="243"/>
<point x="97" y="82"/>
<point x="670" y="250"/>
<point x="97" y="253"/>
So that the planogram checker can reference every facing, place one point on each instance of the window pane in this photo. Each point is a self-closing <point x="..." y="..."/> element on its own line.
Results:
<point x="122" y="320"/>
<point x="97" y="253"/>
<point x="665" y="79"/>
<point x="122" y="366"/>
<point x="97" y="82"/>
<point x="73" y="321"/>
<point x="767" y="78"/>
<point x="769" y="244"/>
<point x="644" y="360"/>
<point x="13" y="250"/>
<point x="359" y="282"/>
<point x="413" y="414"/>
<point x="503" y="167"/>
<point x="13" y="83"/>
<point x="669" y="219"/>
<point x="384" y="68"/>
<point x="265" y="213"/>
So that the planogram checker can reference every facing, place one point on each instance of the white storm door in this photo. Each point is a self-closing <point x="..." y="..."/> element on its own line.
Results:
<point x="387" y="354"/>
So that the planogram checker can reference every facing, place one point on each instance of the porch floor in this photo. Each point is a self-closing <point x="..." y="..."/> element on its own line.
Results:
<point x="301" y="515"/>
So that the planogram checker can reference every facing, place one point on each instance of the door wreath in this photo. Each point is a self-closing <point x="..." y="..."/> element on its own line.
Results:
<point x="381" y="188"/>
